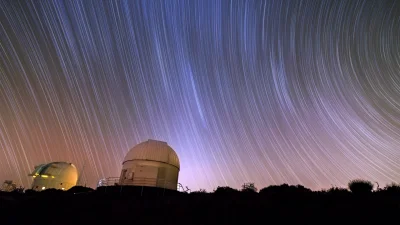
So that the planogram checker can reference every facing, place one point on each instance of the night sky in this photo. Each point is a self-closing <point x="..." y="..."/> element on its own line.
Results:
<point x="270" y="92"/>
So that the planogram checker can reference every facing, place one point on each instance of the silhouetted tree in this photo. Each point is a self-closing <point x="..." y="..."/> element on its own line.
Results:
<point x="359" y="186"/>
<point x="249" y="187"/>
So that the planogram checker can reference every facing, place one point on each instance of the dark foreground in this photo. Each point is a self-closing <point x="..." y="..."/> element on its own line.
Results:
<point x="225" y="206"/>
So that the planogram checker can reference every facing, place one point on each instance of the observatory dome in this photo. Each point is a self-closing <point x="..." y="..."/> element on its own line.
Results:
<point x="57" y="175"/>
<point x="153" y="150"/>
<point x="151" y="163"/>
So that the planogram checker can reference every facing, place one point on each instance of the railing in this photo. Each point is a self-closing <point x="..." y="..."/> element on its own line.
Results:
<point x="137" y="181"/>
<point x="110" y="181"/>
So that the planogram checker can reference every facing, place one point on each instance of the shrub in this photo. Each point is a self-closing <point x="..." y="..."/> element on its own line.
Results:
<point x="201" y="191"/>
<point x="337" y="190"/>
<point x="249" y="187"/>
<point x="359" y="186"/>
<point x="284" y="189"/>
<point x="225" y="190"/>
<point x="51" y="191"/>
<point x="30" y="192"/>
<point x="392" y="188"/>
<point x="301" y="188"/>
<point x="274" y="189"/>
<point x="80" y="189"/>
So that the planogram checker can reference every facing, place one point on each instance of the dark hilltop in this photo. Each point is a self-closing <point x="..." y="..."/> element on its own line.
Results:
<point x="283" y="204"/>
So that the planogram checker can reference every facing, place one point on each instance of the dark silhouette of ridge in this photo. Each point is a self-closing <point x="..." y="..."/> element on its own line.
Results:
<point x="282" y="204"/>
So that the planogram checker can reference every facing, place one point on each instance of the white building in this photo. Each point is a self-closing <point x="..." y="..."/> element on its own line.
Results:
<point x="151" y="163"/>
<point x="57" y="175"/>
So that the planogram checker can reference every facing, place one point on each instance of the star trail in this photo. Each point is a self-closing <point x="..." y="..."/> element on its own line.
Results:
<point x="270" y="92"/>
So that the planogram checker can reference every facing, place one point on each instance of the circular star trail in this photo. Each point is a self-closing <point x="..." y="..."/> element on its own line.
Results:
<point x="271" y="92"/>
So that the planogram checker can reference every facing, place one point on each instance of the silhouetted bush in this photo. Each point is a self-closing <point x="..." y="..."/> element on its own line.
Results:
<point x="52" y="192"/>
<point x="80" y="189"/>
<point x="301" y="189"/>
<point x="284" y="189"/>
<point x="360" y="186"/>
<point x="225" y="191"/>
<point x="392" y="188"/>
<point x="338" y="190"/>
<point x="30" y="192"/>
<point x="201" y="191"/>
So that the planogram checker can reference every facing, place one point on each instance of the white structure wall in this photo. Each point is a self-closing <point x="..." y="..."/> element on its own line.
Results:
<point x="151" y="163"/>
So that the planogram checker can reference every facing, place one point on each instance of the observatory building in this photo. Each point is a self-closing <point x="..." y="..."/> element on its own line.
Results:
<point x="57" y="175"/>
<point x="151" y="163"/>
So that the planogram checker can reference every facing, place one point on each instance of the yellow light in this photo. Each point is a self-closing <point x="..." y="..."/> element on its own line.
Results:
<point x="63" y="189"/>
<point x="52" y="176"/>
<point x="34" y="176"/>
<point x="44" y="176"/>
<point x="43" y="188"/>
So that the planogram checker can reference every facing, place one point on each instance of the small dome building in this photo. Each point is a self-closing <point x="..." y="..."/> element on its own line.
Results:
<point x="57" y="175"/>
<point x="151" y="163"/>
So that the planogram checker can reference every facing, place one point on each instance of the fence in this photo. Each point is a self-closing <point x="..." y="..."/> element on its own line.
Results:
<point x="137" y="181"/>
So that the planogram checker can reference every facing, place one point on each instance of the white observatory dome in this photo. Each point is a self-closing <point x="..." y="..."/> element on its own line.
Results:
<point x="153" y="150"/>
<point x="57" y="175"/>
<point x="151" y="163"/>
